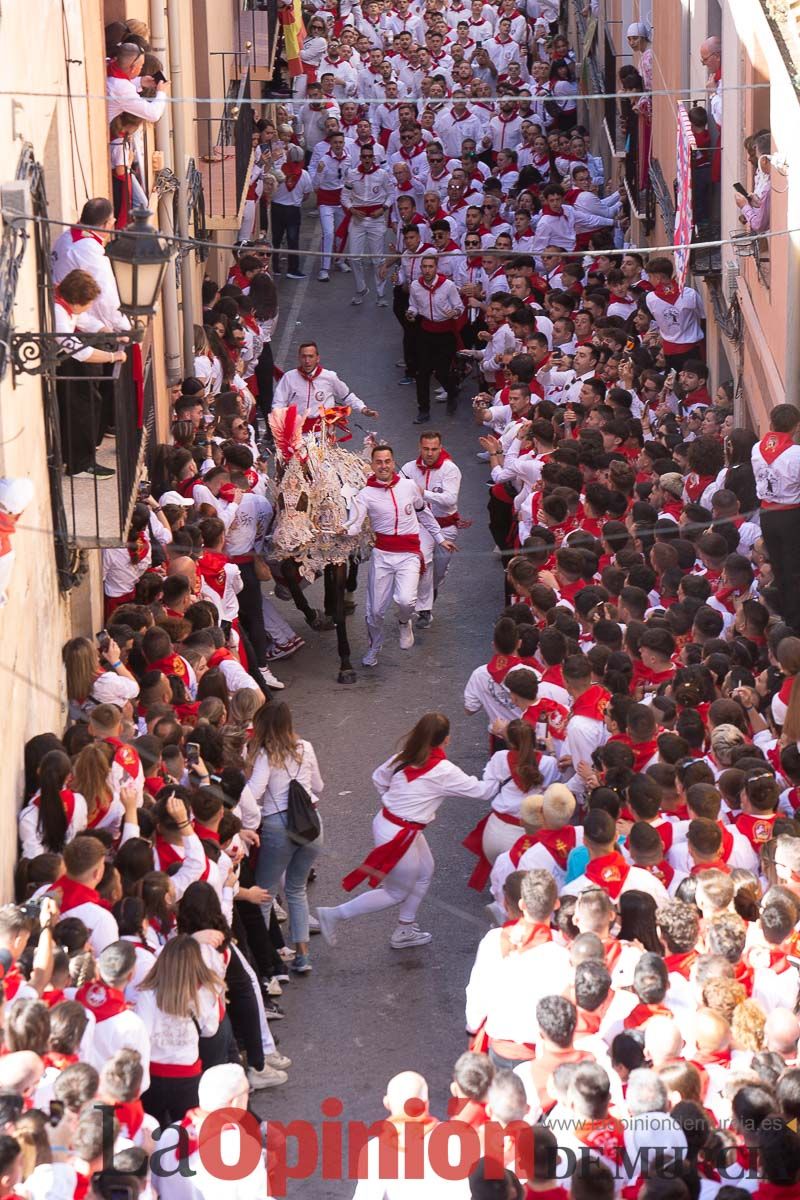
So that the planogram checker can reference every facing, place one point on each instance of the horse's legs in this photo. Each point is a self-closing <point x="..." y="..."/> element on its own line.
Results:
<point x="335" y="583"/>
<point x="291" y="575"/>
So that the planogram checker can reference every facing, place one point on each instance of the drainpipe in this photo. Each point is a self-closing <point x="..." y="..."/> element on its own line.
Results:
<point x="179" y="141"/>
<point x="169" y="289"/>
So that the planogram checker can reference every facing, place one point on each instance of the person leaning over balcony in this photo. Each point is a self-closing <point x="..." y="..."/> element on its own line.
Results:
<point x="124" y="84"/>
<point x="83" y="246"/>
<point x="78" y="398"/>
<point x="754" y="209"/>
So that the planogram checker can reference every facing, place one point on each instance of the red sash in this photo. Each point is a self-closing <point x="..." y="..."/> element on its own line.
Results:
<point x="474" y="843"/>
<point x="383" y="859"/>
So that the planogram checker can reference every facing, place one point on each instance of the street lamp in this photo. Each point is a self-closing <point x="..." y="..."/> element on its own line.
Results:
<point x="139" y="258"/>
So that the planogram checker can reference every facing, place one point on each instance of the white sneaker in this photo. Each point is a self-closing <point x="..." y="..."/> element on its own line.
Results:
<point x="409" y="935"/>
<point x="323" y="276"/>
<point x="280" y="1062"/>
<point x="328" y="921"/>
<point x="343" y="267"/>
<point x="274" y="988"/>
<point x="270" y="680"/>
<point x="382" y="302"/>
<point x="406" y="636"/>
<point x="281" y="914"/>
<point x="360" y="296"/>
<point x="439" y="393"/>
<point x="268" y="1077"/>
<point x="370" y="659"/>
<point x="313" y="925"/>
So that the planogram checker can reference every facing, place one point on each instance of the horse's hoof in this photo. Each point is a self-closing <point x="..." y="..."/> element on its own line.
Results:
<point x="348" y="676"/>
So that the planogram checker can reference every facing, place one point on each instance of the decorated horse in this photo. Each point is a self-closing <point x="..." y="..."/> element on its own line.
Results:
<point x="315" y="482"/>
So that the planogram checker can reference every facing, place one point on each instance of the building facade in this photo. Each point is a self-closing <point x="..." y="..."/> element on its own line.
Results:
<point x="750" y="284"/>
<point x="54" y="144"/>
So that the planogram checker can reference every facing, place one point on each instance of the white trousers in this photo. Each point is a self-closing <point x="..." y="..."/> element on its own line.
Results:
<point x="405" y="885"/>
<point x="392" y="577"/>
<point x="437" y="561"/>
<point x="330" y="217"/>
<point x="499" y="837"/>
<point x="279" y="630"/>
<point x="248" y="225"/>
<point x="367" y="236"/>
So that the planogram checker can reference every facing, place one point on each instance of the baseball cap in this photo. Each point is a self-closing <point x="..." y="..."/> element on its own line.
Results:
<point x="175" y="498"/>
<point x="110" y="688"/>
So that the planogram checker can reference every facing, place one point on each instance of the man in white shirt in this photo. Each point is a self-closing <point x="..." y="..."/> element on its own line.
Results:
<point x="439" y="480"/>
<point x="366" y="196"/>
<point x="396" y="509"/>
<point x="776" y="466"/>
<point x="436" y="306"/>
<point x="678" y="313"/>
<point x="82" y="247"/>
<point x="124" y="83"/>
<point x="311" y="388"/>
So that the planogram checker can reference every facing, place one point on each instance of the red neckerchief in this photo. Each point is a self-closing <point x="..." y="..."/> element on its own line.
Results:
<point x="698" y="396"/>
<point x="642" y="1013"/>
<point x="468" y="1112"/>
<point x="727" y="596"/>
<point x="554" y="675"/>
<point x="67" y="799"/>
<point x="668" y="292"/>
<point x="661" y="871"/>
<point x="74" y="894"/>
<point x="642" y="751"/>
<point x="547" y="211"/>
<point x="167" y="855"/>
<point x="53" y="1058"/>
<point x="550" y="711"/>
<point x="681" y="964"/>
<point x="499" y="666"/>
<point x="475" y="261"/>
<point x="101" y="1000"/>
<point x="204" y="833"/>
<point x="211" y="567"/>
<point x="62" y="303"/>
<point x="537" y="935"/>
<point x="513" y="760"/>
<point x="76" y="233"/>
<point x="592" y="703"/>
<point x="711" y="1058"/>
<point x="171" y="664"/>
<point x="12" y="982"/>
<point x="719" y="864"/>
<point x="376" y="483"/>
<point x="114" y="71"/>
<point x="139" y="547"/>
<point x="557" y="842"/>
<point x="314" y="374"/>
<point x="609" y="873"/>
<point x="695" y="485"/>
<point x="757" y="829"/>
<point x="291" y="174"/>
<point x="220" y="655"/>
<point x="362" y="170"/>
<point x="436" y="756"/>
<point x="605" y="1135"/>
<point x="130" y="1115"/>
<point x="774" y="444"/>
<point x="432" y="287"/>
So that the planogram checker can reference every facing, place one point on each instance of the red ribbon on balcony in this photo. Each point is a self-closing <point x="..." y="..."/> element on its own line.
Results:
<point x="137" y="362"/>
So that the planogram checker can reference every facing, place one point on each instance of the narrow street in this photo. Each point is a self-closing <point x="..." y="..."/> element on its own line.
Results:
<point x="368" y="1011"/>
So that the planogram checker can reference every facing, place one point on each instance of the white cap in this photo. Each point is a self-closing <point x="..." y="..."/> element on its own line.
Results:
<point x="175" y="498"/>
<point x="110" y="688"/>
<point x="219" y="1085"/>
<point x="638" y="29"/>
<point x="15" y="495"/>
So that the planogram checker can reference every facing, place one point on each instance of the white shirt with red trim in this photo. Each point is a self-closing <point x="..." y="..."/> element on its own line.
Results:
<point x="312" y="393"/>
<point x="87" y="253"/>
<point x="122" y="1031"/>
<point x="777" y="479"/>
<point x="435" y="303"/>
<point x="28" y="820"/>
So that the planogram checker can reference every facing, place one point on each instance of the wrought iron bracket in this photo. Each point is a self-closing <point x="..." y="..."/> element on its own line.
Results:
<point x="41" y="353"/>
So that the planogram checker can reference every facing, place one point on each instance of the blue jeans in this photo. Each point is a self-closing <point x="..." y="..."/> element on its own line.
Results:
<point x="279" y="854"/>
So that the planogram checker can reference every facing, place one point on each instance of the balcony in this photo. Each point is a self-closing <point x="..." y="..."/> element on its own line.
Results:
<point x="226" y="147"/>
<point x="257" y="29"/>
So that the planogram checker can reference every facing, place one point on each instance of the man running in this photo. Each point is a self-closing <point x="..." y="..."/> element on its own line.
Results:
<point x="439" y="480"/>
<point x="397" y="510"/>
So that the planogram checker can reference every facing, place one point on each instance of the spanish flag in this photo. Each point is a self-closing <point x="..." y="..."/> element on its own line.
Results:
<point x="290" y="15"/>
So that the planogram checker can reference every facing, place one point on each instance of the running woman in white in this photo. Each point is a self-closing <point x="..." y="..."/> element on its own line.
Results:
<point x="396" y="508"/>
<point x="412" y="784"/>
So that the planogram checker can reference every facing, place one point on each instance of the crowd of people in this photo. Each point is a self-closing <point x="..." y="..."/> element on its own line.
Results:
<point x="632" y="1011"/>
